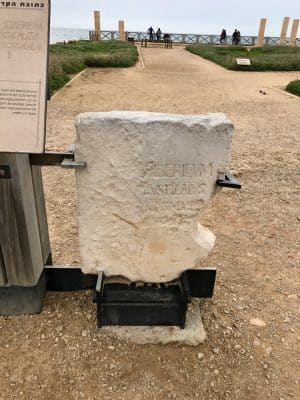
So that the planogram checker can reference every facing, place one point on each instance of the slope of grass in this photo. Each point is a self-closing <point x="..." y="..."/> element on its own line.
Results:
<point x="294" y="87"/>
<point x="69" y="59"/>
<point x="267" y="58"/>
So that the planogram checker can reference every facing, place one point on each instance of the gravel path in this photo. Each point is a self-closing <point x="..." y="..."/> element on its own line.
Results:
<point x="60" y="354"/>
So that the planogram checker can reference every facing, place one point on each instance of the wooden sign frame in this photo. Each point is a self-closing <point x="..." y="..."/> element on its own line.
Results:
<point x="24" y="53"/>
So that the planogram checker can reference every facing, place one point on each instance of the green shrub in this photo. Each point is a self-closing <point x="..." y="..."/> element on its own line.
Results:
<point x="57" y="81"/>
<point x="294" y="87"/>
<point x="72" y="66"/>
<point x="56" y="76"/>
<point x="115" y="60"/>
<point x="71" y="58"/>
<point x="267" y="58"/>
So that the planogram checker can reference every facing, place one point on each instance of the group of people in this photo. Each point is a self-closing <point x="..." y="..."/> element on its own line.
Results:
<point x="152" y="33"/>
<point x="236" y="37"/>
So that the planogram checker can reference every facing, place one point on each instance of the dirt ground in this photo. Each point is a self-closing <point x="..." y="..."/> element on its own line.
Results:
<point x="61" y="354"/>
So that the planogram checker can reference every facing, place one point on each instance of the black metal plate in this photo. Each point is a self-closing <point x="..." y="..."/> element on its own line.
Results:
<point x="143" y="314"/>
<point x="68" y="279"/>
<point x="202" y="282"/>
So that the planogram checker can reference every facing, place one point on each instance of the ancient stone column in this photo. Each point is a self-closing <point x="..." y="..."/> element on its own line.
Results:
<point x="122" y="36"/>
<point x="261" y="32"/>
<point x="294" y="32"/>
<point x="97" y="25"/>
<point x="148" y="177"/>
<point x="285" y="25"/>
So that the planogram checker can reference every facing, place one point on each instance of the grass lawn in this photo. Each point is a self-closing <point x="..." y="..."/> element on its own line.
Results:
<point x="267" y="58"/>
<point x="69" y="59"/>
<point x="294" y="87"/>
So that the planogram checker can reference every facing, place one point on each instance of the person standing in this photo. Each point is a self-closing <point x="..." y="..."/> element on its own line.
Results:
<point x="234" y="36"/>
<point x="238" y="37"/>
<point x="158" y="34"/>
<point x="150" y="32"/>
<point x="223" y="36"/>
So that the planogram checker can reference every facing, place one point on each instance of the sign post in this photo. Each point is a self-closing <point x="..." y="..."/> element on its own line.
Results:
<point x="24" y="239"/>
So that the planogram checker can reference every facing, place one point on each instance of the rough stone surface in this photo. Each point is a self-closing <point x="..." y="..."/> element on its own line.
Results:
<point x="148" y="176"/>
<point x="192" y="335"/>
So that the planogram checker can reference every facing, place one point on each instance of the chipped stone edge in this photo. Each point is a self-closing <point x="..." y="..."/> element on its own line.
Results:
<point x="210" y="119"/>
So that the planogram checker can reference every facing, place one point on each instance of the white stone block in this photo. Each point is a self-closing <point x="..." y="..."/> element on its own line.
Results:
<point x="148" y="176"/>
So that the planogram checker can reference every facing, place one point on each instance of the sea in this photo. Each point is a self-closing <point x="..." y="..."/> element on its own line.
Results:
<point x="61" y="34"/>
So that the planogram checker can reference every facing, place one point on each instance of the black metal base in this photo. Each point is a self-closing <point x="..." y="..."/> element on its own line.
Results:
<point x="121" y="302"/>
<point x="20" y="300"/>
<point x="61" y="279"/>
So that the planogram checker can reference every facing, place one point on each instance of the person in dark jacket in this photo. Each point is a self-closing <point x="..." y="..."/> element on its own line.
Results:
<point x="150" y="32"/>
<point x="234" y="36"/>
<point x="158" y="34"/>
<point x="223" y="36"/>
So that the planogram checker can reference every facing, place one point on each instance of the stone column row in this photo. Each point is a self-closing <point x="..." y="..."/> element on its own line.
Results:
<point x="97" y="22"/>
<point x="284" y="29"/>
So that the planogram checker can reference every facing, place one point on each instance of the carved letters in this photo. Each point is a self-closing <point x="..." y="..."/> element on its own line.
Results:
<point x="176" y="179"/>
<point x="177" y="170"/>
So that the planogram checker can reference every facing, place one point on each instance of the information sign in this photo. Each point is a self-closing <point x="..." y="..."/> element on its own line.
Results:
<point x="24" y="38"/>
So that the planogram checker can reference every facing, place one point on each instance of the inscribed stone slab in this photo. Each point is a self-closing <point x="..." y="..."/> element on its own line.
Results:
<point x="148" y="176"/>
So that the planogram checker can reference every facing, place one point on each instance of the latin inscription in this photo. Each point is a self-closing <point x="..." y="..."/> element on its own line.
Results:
<point x="21" y="35"/>
<point x="174" y="206"/>
<point x="175" y="189"/>
<point x="156" y="170"/>
<point x="177" y="179"/>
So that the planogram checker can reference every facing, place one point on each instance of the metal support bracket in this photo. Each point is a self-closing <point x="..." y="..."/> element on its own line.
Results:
<point x="67" y="163"/>
<point x="229" y="181"/>
<point x="65" y="160"/>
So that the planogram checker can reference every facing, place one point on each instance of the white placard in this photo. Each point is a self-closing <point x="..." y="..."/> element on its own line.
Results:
<point x="24" y="38"/>
<point x="243" y="61"/>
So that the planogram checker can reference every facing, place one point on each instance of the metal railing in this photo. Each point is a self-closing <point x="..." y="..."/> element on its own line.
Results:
<point x="189" y="38"/>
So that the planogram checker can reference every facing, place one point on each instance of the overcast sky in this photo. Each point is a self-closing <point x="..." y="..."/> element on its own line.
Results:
<point x="189" y="16"/>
